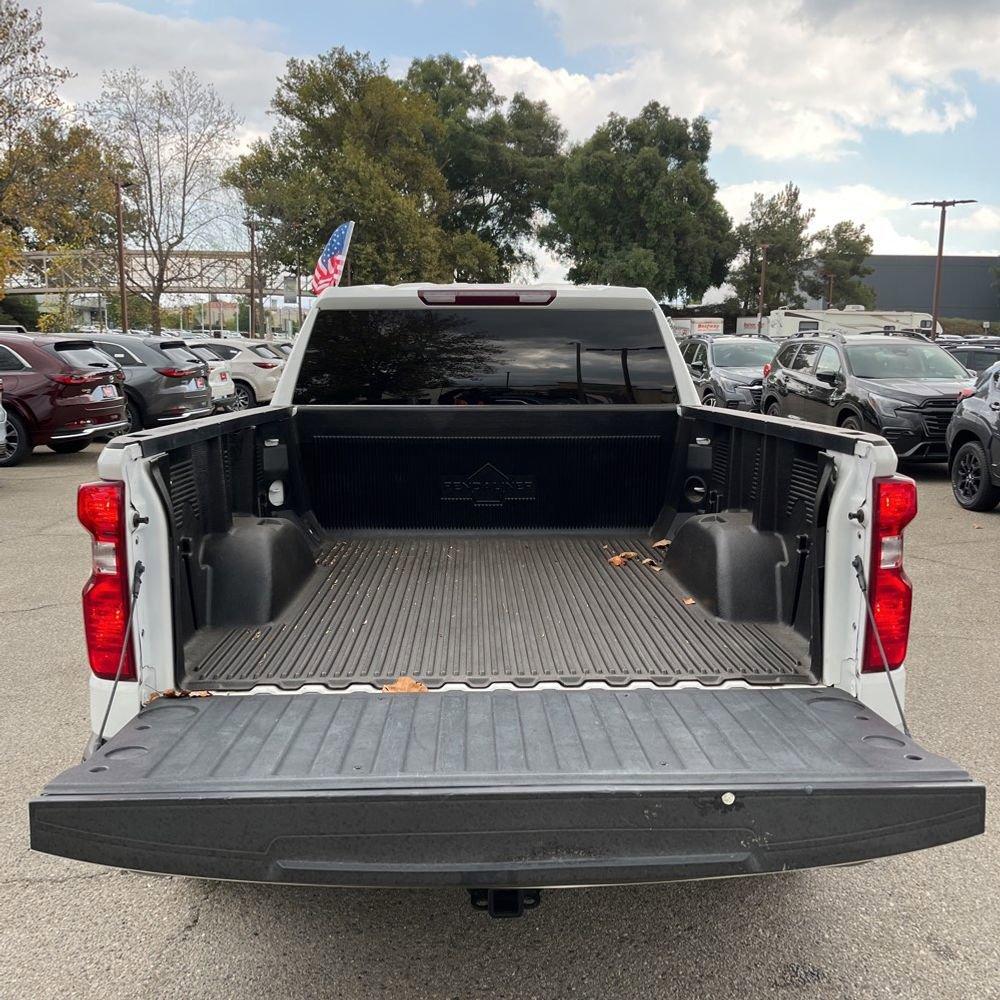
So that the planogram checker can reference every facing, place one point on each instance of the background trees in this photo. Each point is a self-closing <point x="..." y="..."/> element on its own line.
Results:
<point x="636" y="206"/>
<point x="176" y="137"/>
<point x="441" y="175"/>
<point x="839" y="254"/>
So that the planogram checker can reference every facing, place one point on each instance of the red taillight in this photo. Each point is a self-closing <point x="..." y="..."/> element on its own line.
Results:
<point x="767" y="369"/>
<point x="178" y="372"/>
<point x="266" y="364"/>
<point x="223" y="376"/>
<point x="889" y="590"/>
<point x="486" y="297"/>
<point x="78" y="378"/>
<point x="966" y="393"/>
<point x="100" y="508"/>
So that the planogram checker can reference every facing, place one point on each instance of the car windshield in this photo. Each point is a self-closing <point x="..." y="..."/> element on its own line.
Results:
<point x="748" y="354"/>
<point x="906" y="359"/>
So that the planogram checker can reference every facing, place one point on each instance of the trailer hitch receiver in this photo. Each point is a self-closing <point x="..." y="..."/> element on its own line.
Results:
<point x="505" y="903"/>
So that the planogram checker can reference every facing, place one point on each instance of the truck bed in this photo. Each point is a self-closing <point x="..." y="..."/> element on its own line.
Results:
<point x="522" y="609"/>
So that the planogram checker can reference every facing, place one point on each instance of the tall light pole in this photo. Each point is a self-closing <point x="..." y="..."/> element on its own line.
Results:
<point x="829" y="275"/>
<point x="763" y="277"/>
<point x="120" y="185"/>
<point x="944" y="204"/>
<point x="252" y="226"/>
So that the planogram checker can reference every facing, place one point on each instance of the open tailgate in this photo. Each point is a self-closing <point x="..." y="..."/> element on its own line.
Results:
<point x="504" y="788"/>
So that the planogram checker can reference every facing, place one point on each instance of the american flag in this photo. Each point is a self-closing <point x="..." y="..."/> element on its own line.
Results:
<point x="330" y="265"/>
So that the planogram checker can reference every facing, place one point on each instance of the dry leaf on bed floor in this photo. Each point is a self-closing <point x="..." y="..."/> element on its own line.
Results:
<point x="656" y="569"/>
<point x="181" y="693"/>
<point x="648" y="561"/>
<point x="661" y="544"/>
<point x="404" y="685"/>
<point x="690" y="600"/>
<point x="622" y="558"/>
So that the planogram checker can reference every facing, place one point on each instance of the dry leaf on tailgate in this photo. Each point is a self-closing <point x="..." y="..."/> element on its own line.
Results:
<point x="661" y="544"/>
<point x="404" y="685"/>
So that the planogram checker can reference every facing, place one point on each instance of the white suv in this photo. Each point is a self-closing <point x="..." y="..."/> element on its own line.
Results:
<point x="256" y="367"/>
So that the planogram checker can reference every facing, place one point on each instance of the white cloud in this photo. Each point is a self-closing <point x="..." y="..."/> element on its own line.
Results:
<point x="238" y="56"/>
<point x="779" y="78"/>
<point x="980" y="219"/>
<point x="857" y="202"/>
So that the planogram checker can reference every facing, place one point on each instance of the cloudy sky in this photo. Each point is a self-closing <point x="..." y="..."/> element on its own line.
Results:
<point x="865" y="104"/>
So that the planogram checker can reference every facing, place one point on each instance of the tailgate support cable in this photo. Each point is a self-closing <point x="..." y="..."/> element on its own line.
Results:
<point x="140" y="568"/>
<point x="859" y="570"/>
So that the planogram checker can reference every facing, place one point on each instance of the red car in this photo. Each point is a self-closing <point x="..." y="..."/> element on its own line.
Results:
<point x="59" y="391"/>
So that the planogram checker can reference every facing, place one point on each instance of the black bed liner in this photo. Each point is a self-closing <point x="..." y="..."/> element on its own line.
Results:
<point x="504" y="788"/>
<point x="481" y="609"/>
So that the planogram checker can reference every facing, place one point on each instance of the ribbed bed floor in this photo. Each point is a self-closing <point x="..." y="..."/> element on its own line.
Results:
<point x="481" y="609"/>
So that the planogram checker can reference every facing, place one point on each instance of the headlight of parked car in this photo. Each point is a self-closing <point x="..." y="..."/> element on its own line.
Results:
<point x="730" y="386"/>
<point x="884" y="405"/>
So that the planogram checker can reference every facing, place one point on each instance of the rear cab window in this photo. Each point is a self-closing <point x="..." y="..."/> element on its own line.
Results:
<point x="485" y="356"/>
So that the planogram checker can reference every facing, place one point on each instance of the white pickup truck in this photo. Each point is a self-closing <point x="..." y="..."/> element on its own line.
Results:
<point x="624" y="636"/>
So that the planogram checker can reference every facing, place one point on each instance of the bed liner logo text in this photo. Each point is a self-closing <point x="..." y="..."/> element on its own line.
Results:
<point x="488" y="487"/>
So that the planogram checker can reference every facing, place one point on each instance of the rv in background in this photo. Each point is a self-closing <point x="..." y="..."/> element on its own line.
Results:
<point x="787" y="322"/>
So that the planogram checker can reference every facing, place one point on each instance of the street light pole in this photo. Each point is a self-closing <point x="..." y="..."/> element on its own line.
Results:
<point x="829" y="275"/>
<point x="763" y="277"/>
<point x="944" y="204"/>
<point x="122" y="290"/>
<point x="253" y="279"/>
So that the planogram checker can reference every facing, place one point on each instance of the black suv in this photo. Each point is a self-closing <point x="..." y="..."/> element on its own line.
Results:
<point x="904" y="389"/>
<point x="728" y="371"/>
<point x="977" y="355"/>
<point x="974" y="444"/>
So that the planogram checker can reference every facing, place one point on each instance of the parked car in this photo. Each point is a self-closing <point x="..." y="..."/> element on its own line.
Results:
<point x="974" y="444"/>
<point x="727" y="370"/>
<point x="976" y="355"/>
<point x="902" y="388"/>
<point x="284" y="346"/>
<point x="164" y="381"/>
<point x="59" y="391"/>
<point x="3" y="420"/>
<point x="454" y="645"/>
<point x="220" y="377"/>
<point x="256" y="368"/>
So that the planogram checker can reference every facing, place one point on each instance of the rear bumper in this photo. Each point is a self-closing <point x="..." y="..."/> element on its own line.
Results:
<point x="516" y="838"/>
<point x="504" y="789"/>
<point x="81" y="433"/>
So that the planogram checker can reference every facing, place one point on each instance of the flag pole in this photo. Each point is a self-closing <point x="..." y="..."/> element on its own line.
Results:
<point x="347" y="247"/>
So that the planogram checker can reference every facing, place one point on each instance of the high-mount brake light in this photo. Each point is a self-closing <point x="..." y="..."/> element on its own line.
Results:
<point x="486" y="297"/>
<point x="100" y="509"/>
<point x="889" y="590"/>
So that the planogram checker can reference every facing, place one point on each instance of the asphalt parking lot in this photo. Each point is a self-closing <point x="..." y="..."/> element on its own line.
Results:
<point x="924" y="925"/>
